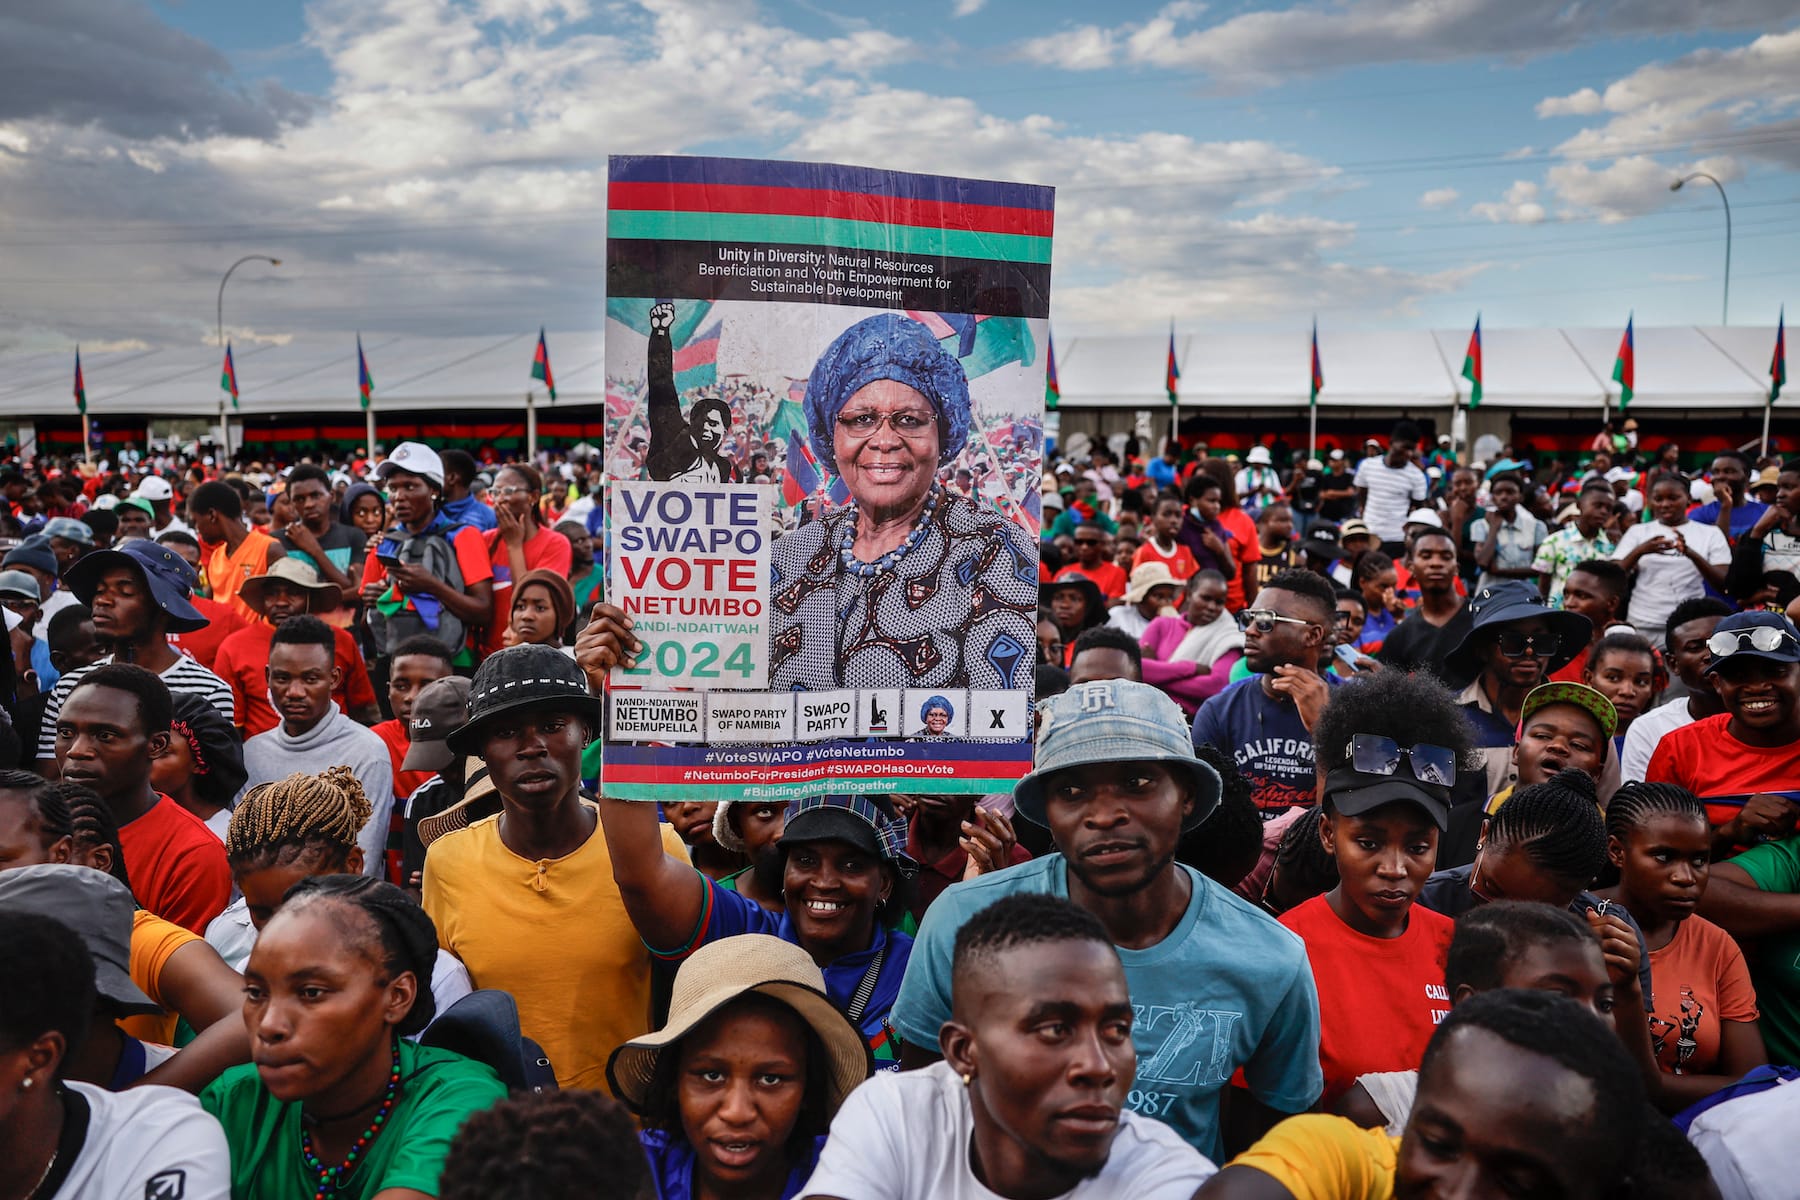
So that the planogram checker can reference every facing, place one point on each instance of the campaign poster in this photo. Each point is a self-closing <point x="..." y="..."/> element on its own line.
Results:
<point x="853" y="359"/>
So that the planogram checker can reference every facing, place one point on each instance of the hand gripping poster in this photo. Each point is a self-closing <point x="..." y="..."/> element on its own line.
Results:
<point x="824" y="437"/>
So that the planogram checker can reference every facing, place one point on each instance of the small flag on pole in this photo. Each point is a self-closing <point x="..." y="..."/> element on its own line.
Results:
<point x="1173" y="383"/>
<point x="80" y="386"/>
<point x="364" y="382"/>
<point x="1318" y="368"/>
<point x="1625" y="366"/>
<point x="1777" y="366"/>
<point x="228" y="376"/>
<point x="1472" y="365"/>
<point x="1052" y="389"/>
<point x="540" y="366"/>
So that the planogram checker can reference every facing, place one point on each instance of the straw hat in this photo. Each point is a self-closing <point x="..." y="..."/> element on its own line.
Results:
<point x="1147" y="578"/>
<point x="320" y="595"/>
<point x="722" y="971"/>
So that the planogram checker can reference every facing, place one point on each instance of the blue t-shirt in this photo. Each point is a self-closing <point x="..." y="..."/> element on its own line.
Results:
<point x="470" y="511"/>
<point x="1227" y="989"/>
<point x="727" y="914"/>
<point x="1160" y="472"/>
<point x="1266" y="738"/>
<point x="671" y="1159"/>
<point x="1743" y="517"/>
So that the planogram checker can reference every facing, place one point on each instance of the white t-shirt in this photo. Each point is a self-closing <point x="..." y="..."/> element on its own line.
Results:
<point x="1667" y="578"/>
<point x="1645" y="733"/>
<point x="148" y="1143"/>
<point x="1393" y="492"/>
<point x="1748" y="1143"/>
<point x="906" y="1137"/>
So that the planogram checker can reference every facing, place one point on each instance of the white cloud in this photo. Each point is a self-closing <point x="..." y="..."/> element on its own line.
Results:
<point x="967" y="8"/>
<point x="1439" y="198"/>
<point x="1520" y="206"/>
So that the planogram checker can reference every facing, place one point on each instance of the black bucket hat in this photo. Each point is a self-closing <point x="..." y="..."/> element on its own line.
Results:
<point x="1090" y="591"/>
<point x="1505" y="603"/>
<point x="524" y="677"/>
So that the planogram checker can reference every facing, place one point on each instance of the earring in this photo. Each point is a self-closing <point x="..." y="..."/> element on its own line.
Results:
<point x="25" y="1084"/>
<point x="968" y="1078"/>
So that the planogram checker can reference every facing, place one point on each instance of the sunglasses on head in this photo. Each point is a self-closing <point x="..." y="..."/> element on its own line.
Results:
<point x="1726" y="642"/>
<point x="1264" y="620"/>
<point x="1372" y="754"/>
<point x="1514" y="644"/>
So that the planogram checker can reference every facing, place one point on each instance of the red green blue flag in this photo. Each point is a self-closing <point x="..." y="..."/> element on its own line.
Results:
<point x="364" y="381"/>
<point x="80" y="387"/>
<point x="1471" y="370"/>
<point x="1052" y="389"/>
<point x="1625" y="366"/>
<point x="1777" y="365"/>
<point x="1173" y="382"/>
<point x="228" y="376"/>
<point x="1318" y="368"/>
<point x="540" y="366"/>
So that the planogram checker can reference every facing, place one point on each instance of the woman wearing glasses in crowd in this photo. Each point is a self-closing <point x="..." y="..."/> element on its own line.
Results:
<point x="1387" y="748"/>
<point x="521" y="543"/>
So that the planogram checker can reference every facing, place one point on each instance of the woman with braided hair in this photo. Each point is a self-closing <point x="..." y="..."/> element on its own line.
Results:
<point x="1703" y="1028"/>
<point x="338" y="1101"/>
<point x="294" y="829"/>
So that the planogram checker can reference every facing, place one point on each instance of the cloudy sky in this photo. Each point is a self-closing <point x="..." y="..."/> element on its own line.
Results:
<point x="439" y="165"/>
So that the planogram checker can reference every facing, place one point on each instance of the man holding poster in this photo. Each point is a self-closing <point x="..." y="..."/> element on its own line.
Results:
<point x="871" y="336"/>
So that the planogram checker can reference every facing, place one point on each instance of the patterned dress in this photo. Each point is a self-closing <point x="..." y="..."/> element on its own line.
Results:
<point x="957" y="609"/>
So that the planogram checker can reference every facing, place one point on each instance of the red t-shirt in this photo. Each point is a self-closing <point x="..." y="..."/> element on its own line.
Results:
<point x="1701" y="980"/>
<point x="549" y="550"/>
<point x="177" y="865"/>
<point x="1181" y="564"/>
<point x="471" y="559"/>
<point x="243" y="659"/>
<point x="1246" y="547"/>
<point x="1109" y="577"/>
<point x="1380" y="999"/>
<point x="395" y="734"/>
<point x="1708" y="761"/>
<point x="202" y="645"/>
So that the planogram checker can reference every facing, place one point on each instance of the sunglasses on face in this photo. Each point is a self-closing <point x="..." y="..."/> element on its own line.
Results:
<point x="1372" y="754"/>
<point x="1264" y="620"/>
<point x="1514" y="644"/>
<point x="1727" y="642"/>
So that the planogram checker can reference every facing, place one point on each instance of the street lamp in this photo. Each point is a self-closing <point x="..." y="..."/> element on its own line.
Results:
<point x="219" y="315"/>
<point x="1725" y="316"/>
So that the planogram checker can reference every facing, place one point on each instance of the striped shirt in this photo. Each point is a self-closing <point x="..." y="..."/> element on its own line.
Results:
<point x="1392" y="493"/>
<point x="185" y="676"/>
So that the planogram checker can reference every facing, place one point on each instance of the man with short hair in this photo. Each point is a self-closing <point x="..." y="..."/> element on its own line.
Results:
<point x="1389" y="487"/>
<point x="1733" y="512"/>
<point x="113" y="722"/>
<point x="1506" y="539"/>
<point x="238" y="551"/>
<point x="289" y="589"/>
<point x="1692" y="623"/>
<point x="1584" y="540"/>
<point x="1093" y="562"/>
<point x="587" y="577"/>
<point x="1215" y="986"/>
<point x="1595" y="589"/>
<point x="1106" y="652"/>
<point x="1425" y="637"/>
<point x="418" y="661"/>
<point x="460" y="503"/>
<point x="318" y="539"/>
<point x="138" y="596"/>
<point x="1265" y="722"/>
<point x="314" y="733"/>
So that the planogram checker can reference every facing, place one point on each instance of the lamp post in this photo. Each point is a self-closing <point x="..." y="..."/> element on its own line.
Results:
<point x="219" y="315"/>
<point x="1725" y="314"/>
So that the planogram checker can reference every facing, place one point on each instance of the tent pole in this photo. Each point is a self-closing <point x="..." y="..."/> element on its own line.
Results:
<point x="87" y="438"/>
<point x="1768" y="407"/>
<point x="1312" y="431"/>
<point x="224" y="436"/>
<point x="369" y="429"/>
<point x="530" y="427"/>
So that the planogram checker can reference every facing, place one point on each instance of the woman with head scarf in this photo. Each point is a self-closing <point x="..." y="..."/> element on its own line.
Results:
<point x="203" y="767"/>
<point x="364" y="509"/>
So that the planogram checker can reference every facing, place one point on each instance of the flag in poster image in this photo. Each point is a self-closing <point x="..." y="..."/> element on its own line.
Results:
<point x="540" y="366"/>
<point x="1471" y="368"/>
<point x="1777" y="365"/>
<point x="1625" y="366"/>
<point x="365" y="383"/>
<point x="1172" y="380"/>
<point x="80" y="386"/>
<point x="228" y="376"/>
<point x="795" y="347"/>
<point x="1318" y="368"/>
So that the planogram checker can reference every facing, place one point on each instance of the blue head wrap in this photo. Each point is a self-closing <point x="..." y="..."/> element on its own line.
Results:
<point x="887" y="346"/>
<point x="936" y="702"/>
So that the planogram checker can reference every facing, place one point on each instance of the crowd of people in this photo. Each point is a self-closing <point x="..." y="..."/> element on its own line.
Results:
<point x="1396" y="827"/>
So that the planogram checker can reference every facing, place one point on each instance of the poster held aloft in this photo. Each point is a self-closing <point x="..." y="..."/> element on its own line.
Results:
<point x="802" y="361"/>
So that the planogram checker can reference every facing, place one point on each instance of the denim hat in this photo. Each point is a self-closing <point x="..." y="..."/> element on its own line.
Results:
<point x="524" y="677"/>
<point x="1505" y="603"/>
<point x="168" y="576"/>
<point x="1787" y="651"/>
<point x="1115" y="721"/>
<point x="68" y="527"/>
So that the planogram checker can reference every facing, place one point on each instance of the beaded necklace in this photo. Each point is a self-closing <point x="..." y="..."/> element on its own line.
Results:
<point x="331" y="1179"/>
<point x="888" y="561"/>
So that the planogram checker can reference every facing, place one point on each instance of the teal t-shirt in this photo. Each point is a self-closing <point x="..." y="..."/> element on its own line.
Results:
<point x="438" y="1091"/>
<point x="1227" y="989"/>
<point x="1775" y="961"/>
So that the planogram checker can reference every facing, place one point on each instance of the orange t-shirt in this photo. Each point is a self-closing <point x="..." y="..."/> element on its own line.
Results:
<point x="177" y="865"/>
<point x="1181" y="564"/>
<point x="1701" y="980"/>
<point x="1380" y="999"/>
<point x="154" y="942"/>
<point x="226" y="572"/>
<point x="244" y="657"/>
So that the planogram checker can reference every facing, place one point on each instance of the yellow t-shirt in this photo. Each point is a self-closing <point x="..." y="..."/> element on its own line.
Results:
<point x="1318" y="1157"/>
<point x="153" y="942"/>
<point x="554" y="933"/>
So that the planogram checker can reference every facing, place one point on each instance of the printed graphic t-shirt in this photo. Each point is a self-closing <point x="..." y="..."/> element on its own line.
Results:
<point x="147" y="1142"/>
<point x="1380" y="999"/>
<point x="1266" y="738"/>
<point x="1701" y="980"/>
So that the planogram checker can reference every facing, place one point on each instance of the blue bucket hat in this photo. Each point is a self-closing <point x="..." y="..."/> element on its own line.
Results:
<point x="168" y="576"/>
<point x="1115" y="721"/>
<point x="886" y="346"/>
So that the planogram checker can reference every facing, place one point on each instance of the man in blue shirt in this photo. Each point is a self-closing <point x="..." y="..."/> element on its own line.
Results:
<point x="1162" y="470"/>
<point x="1265" y="722"/>
<point x="459" y="505"/>
<point x="1216" y="985"/>
<point x="1731" y="480"/>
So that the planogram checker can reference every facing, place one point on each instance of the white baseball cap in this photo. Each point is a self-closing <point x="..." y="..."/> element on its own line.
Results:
<point x="154" y="488"/>
<point x="1425" y="516"/>
<point x="415" y="458"/>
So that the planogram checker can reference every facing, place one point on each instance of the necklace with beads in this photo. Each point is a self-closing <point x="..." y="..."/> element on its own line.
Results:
<point x="888" y="561"/>
<point x="331" y="1179"/>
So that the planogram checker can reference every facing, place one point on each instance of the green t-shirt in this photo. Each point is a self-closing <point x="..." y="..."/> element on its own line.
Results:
<point x="1775" y="961"/>
<point x="587" y="588"/>
<point x="438" y="1090"/>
